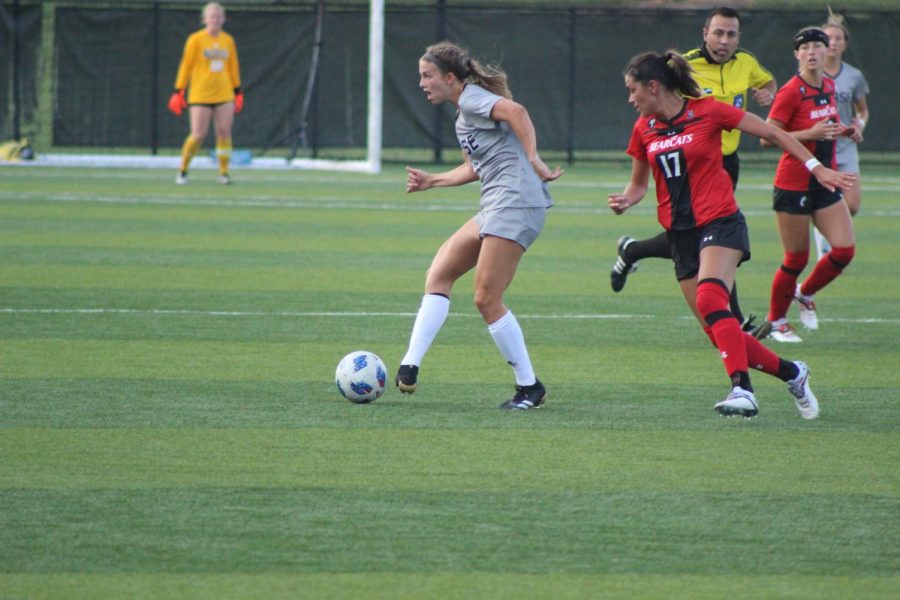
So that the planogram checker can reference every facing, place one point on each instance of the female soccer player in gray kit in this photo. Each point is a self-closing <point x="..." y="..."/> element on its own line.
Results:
<point x="851" y="89"/>
<point x="499" y="148"/>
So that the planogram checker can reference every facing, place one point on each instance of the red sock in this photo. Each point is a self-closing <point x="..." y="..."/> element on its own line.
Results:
<point x="759" y="357"/>
<point x="712" y="302"/>
<point x="731" y="344"/>
<point x="785" y="283"/>
<point x="829" y="266"/>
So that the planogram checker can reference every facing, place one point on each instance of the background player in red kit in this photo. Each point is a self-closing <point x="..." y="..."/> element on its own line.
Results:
<point x="805" y="106"/>
<point x="679" y="138"/>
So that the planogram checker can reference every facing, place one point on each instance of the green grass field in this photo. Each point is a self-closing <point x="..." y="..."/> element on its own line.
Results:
<point x="169" y="425"/>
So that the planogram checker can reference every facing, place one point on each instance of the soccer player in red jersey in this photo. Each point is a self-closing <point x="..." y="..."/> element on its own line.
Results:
<point x="678" y="138"/>
<point x="805" y="107"/>
<point x="732" y="75"/>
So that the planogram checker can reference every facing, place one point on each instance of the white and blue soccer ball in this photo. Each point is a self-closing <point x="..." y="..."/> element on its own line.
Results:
<point x="361" y="377"/>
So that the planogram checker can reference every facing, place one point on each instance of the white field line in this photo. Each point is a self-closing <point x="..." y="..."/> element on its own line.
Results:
<point x="367" y="314"/>
<point x="263" y="164"/>
<point x="342" y="203"/>
<point x="879" y="184"/>
<point x="874" y="183"/>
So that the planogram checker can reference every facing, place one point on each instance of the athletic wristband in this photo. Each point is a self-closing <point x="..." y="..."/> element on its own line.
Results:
<point x="812" y="164"/>
<point x="862" y="123"/>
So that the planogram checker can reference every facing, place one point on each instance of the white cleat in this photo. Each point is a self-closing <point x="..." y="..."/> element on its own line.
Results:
<point x="807" y="310"/>
<point x="803" y="397"/>
<point x="782" y="331"/>
<point x="224" y="179"/>
<point x="181" y="179"/>
<point x="739" y="402"/>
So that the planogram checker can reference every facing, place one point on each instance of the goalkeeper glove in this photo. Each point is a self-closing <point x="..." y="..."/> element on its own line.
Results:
<point x="238" y="100"/>
<point x="177" y="103"/>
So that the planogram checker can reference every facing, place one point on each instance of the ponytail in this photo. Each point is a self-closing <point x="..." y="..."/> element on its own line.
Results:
<point x="490" y="77"/>
<point x="683" y="75"/>
<point x="836" y="20"/>
<point x="671" y="70"/>
<point x="450" y="58"/>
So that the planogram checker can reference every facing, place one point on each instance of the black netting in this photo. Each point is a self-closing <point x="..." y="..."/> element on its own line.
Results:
<point x="103" y="77"/>
<point x="19" y="60"/>
<point x="112" y="69"/>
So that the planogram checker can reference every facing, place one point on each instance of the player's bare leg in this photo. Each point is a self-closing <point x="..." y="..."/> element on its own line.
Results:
<point x="200" y="120"/>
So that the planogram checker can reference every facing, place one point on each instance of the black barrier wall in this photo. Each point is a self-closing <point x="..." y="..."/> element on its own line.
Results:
<point x="112" y="69"/>
<point x="20" y="40"/>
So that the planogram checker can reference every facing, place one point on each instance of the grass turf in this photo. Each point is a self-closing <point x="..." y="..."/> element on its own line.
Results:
<point x="170" y="425"/>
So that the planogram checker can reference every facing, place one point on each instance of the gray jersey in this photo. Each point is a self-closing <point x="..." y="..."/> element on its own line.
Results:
<point x="497" y="155"/>
<point x="850" y="86"/>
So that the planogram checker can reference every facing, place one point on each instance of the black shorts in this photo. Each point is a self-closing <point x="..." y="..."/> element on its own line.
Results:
<point x="727" y="232"/>
<point x="732" y="165"/>
<point x="209" y="105"/>
<point x="804" y="203"/>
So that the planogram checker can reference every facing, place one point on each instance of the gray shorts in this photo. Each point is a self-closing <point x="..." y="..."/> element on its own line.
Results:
<point x="521" y="225"/>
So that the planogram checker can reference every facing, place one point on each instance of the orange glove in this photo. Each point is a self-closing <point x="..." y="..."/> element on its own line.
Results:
<point x="238" y="101"/>
<point x="177" y="103"/>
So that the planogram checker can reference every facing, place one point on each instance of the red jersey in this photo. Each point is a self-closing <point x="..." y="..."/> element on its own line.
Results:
<point x="800" y="106"/>
<point x="685" y="154"/>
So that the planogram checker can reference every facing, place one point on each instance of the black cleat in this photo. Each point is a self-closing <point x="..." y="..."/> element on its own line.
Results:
<point x="622" y="267"/>
<point x="406" y="378"/>
<point x="747" y="325"/>
<point x="527" y="396"/>
<point x="762" y="330"/>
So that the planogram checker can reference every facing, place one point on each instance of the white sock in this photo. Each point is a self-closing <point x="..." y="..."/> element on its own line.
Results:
<point x="509" y="339"/>
<point x="432" y="313"/>
<point x="822" y="245"/>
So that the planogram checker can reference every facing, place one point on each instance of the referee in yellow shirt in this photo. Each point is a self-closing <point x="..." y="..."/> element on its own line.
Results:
<point x="731" y="75"/>
<point x="210" y="73"/>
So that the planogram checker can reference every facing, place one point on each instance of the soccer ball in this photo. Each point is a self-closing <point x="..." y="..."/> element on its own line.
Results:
<point x="360" y="377"/>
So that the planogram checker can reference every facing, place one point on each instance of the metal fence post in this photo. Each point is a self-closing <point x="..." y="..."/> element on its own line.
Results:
<point x="154" y="83"/>
<point x="438" y="129"/>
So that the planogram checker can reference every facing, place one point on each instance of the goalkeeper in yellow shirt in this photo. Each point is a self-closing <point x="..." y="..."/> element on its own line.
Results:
<point x="210" y="74"/>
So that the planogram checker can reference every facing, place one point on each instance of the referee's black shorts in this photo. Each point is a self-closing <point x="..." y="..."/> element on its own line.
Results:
<point x="732" y="165"/>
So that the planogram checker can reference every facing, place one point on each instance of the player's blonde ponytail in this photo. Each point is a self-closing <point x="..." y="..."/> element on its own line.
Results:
<point x="836" y="20"/>
<point x="450" y="58"/>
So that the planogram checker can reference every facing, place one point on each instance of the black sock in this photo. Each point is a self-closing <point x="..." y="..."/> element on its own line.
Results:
<point x="741" y="379"/>
<point x="735" y="306"/>
<point x="655" y="247"/>
<point x="787" y="370"/>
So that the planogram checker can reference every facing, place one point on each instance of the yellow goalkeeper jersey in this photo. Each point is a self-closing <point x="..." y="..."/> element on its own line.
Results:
<point x="209" y="67"/>
<point x="728" y="82"/>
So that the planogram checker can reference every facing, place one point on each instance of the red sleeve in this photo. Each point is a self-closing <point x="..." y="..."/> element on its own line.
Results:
<point x="783" y="107"/>
<point x="729" y="116"/>
<point x="636" y="148"/>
